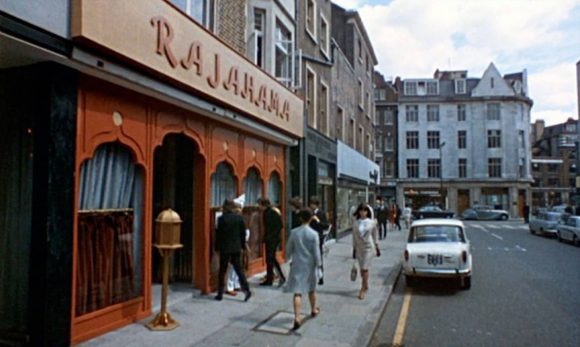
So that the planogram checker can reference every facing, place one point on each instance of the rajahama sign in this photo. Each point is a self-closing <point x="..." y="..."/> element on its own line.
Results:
<point x="156" y="35"/>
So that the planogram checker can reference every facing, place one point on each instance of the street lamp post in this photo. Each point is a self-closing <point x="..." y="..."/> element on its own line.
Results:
<point x="443" y="205"/>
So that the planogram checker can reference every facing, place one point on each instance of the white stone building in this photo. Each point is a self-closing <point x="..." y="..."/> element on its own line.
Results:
<point x="465" y="141"/>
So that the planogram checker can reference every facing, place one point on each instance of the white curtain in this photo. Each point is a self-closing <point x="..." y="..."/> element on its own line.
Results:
<point x="274" y="189"/>
<point x="252" y="187"/>
<point x="223" y="185"/>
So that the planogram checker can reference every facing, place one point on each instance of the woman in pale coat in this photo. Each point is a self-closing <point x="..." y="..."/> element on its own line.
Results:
<point x="303" y="252"/>
<point x="364" y="242"/>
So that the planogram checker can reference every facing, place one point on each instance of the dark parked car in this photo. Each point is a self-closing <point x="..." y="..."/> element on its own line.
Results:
<point x="484" y="213"/>
<point x="431" y="211"/>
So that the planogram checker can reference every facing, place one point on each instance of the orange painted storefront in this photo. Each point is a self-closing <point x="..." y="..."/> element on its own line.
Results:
<point x="110" y="114"/>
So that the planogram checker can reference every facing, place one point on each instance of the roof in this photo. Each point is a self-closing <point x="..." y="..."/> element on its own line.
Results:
<point x="438" y="221"/>
<point x="352" y="14"/>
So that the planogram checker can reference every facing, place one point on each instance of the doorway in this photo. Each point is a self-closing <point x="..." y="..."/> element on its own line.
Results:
<point x="174" y="184"/>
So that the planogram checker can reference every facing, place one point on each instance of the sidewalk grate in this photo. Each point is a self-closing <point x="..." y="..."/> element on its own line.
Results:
<point x="280" y="323"/>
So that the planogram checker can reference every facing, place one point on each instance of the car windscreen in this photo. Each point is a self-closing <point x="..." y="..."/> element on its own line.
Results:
<point x="553" y="217"/>
<point x="436" y="233"/>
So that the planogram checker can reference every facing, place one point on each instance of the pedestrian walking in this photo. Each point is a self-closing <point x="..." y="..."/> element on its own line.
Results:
<point x="382" y="216"/>
<point x="305" y="259"/>
<point x="296" y="205"/>
<point x="233" y="281"/>
<point x="272" y="221"/>
<point x="365" y="244"/>
<point x="230" y="241"/>
<point x="392" y="215"/>
<point x="319" y="223"/>
<point x="398" y="217"/>
<point x="407" y="215"/>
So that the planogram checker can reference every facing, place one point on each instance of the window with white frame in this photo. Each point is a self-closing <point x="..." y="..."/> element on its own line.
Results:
<point x="493" y="111"/>
<point x="388" y="167"/>
<point x="369" y="103"/>
<point x="311" y="18"/>
<point x="432" y="113"/>
<point x="494" y="138"/>
<point x="323" y="109"/>
<point x="460" y="86"/>
<point x="361" y="94"/>
<point x="434" y="168"/>
<point x="412" y="139"/>
<point x="283" y="54"/>
<point x="259" y="36"/>
<point x="413" y="168"/>
<point x="361" y="137"/>
<point x="311" y="97"/>
<point x="494" y="167"/>
<point x="432" y="87"/>
<point x="380" y="94"/>
<point x="410" y="87"/>
<point x="461" y="115"/>
<point x="203" y="11"/>
<point x="432" y="139"/>
<point x="389" y="117"/>
<point x="340" y="123"/>
<point x="412" y="113"/>
<point x="462" y="139"/>
<point x="462" y="167"/>
<point x="389" y="141"/>
<point x="324" y="37"/>
<point x="379" y="142"/>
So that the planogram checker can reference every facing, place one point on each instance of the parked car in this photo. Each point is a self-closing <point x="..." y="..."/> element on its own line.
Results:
<point x="484" y="213"/>
<point x="431" y="211"/>
<point x="438" y="248"/>
<point x="570" y="230"/>
<point x="545" y="223"/>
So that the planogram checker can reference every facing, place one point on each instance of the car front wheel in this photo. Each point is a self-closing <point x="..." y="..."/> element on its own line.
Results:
<point x="465" y="283"/>
<point x="532" y="231"/>
<point x="410" y="280"/>
<point x="504" y="217"/>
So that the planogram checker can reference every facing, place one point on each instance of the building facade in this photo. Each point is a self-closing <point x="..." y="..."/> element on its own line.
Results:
<point x="131" y="117"/>
<point x="554" y="163"/>
<point x="465" y="141"/>
<point x="386" y="136"/>
<point x="354" y="113"/>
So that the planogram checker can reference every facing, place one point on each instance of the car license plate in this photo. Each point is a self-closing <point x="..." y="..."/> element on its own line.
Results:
<point x="434" y="259"/>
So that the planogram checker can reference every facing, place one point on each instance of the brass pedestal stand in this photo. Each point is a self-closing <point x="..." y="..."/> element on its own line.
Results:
<point x="163" y="320"/>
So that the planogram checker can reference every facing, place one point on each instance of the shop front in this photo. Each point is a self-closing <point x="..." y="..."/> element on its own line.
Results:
<point x="150" y="111"/>
<point x="355" y="184"/>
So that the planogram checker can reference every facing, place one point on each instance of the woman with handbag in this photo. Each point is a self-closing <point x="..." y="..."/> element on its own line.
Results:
<point x="365" y="244"/>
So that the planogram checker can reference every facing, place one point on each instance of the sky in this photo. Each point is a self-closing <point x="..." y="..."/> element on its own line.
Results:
<point x="413" y="38"/>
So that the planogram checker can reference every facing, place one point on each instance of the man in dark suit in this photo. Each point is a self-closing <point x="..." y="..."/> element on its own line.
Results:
<point x="382" y="216"/>
<point x="272" y="221"/>
<point x="230" y="238"/>
<point x="319" y="223"/>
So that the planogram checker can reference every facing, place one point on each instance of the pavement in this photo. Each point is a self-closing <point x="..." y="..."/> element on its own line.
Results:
<point x="267" y="318"/>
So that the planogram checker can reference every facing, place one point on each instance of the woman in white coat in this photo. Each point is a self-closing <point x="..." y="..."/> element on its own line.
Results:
<point x="365" y="244"/>
<point x="303" y="252"/>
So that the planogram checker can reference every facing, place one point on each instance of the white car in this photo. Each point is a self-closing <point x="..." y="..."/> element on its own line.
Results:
<point x="545" y="223"/>
<point x="438" y="248"/>
<point x="570" y="230"/>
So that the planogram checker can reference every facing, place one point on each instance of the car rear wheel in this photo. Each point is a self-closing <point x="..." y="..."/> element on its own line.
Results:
<point x="559" y="237"/>
<point x="532" y="231"/>
<point x="504" y="217"/>
<point x="465" y="283"/>
<point x="411" y="281"/>
<point x="575" y="241"/>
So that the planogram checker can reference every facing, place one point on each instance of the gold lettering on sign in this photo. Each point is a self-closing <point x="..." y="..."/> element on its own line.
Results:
<point x="164" y="38"/>
<point x="215" y="81"/>
<point x="261" y="96"/>
<point x="232" y="81"/>
<point x="194" y="57"/>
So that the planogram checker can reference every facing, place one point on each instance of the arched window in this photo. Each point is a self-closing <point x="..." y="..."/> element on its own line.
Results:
<point x="223" y="185"/>
<point x="252" y="187"/>
<point x="275" y="189"/>
<point x="109" y="246"/>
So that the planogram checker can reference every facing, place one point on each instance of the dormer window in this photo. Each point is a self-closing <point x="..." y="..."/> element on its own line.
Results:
<point x="460" y="86"/>
<point x="410" y="88"/>
<point x="432" y="88"/>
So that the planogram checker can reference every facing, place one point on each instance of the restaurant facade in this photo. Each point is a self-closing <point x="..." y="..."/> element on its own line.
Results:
<point x="111" y="116"/>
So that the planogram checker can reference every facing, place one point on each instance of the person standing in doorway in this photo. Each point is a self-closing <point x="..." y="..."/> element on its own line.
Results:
<point x="296" y="205"/>
<point x="230" y="241"/>
<point x="319" y="223"/>
<point x="305" y="259"/>
<point x="272" y="221"/>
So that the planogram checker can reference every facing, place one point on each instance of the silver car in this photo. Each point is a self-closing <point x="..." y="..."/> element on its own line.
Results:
<point x="484" y="213"/>
<point x="545" y="223"/>
<point x="570" y="230"/>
